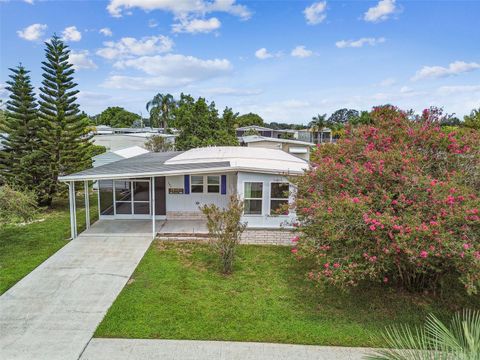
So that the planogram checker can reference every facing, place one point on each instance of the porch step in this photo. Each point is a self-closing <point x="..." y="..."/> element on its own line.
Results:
<point x="182" y="236"/>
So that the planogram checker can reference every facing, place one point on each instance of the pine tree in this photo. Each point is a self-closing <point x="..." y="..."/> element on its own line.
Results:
<point x="65" y="132"/>
<point x="22" y="163"/>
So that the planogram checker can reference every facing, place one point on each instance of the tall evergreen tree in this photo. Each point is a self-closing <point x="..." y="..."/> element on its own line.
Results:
<point x="23" y="164"/>
<point x="65" y="132"/>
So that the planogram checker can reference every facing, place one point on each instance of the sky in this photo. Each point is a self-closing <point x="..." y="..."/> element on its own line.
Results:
<point x="285" y="60"/>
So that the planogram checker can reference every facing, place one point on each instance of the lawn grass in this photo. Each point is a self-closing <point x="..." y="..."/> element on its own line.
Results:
<point x="177" y="292"/>
<point x="23" y="248"/>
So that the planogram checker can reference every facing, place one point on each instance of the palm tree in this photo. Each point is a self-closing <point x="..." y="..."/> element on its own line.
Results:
<point x="317" y="124"/>
<point x="160" y="108"/>
<point x="433" y="341"/>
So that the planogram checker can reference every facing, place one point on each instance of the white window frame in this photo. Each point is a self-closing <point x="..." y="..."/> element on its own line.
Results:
<point x="192" y="184"/>
<point x="279" y="199"/>
<point x="261" y="199"/>
<point x="205" y="184"/>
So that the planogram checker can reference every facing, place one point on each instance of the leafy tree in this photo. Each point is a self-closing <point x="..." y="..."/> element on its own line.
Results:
<point x="161" y="110"/>
<point x="284" y="126"/>
<point x="473" y="120"/>
<point x="286" y="135"/>
<point x="249" y="119"/>
<point x="251" y="132"/>
<point x="342" y="116"/>
<point x="65" y="131"/>
<point x="200" y="125"/>
<point x="363" y="119"/>
<point x="396" y="201"/>
<point x="117" y="117"/>
<point x="23" y="164"/>
<point x="157" y="143"/>
<point x="317" y="124"/>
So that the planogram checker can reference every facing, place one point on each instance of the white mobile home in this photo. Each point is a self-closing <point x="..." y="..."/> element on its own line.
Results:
<point x="172" y="186"/>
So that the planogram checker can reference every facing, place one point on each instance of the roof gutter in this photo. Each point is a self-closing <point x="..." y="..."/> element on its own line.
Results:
<point x="68" y="178"/>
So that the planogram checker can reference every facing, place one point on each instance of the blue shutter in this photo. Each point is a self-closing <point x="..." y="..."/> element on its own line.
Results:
<point x="186" y="184"/>
<point x="223" y="186"/>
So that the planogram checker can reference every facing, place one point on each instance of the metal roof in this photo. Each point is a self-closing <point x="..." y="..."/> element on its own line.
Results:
<point x="144" y="165"/>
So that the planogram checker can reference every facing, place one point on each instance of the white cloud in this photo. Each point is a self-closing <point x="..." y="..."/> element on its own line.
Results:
<point x="458" y="89"/>
<point x="196" y="25"/>
<point x="315" y="13"/>
<point x="405" y="90"/>
<point x="453" y="69"/>
<point x="263" y="54"/>
<point x="301" y="52"/>
<point x="71" y="34"/>
<point x="359" y="43"/>
<point x="180" y="8"/>
<point x="28" y="1"/>
<point x="152" y="23"/>
<point x="232" y="91"/>
<point x="106" y="31"/>
<point x="81" y="60"/>
<point x="387" y="82"/>
<point x="172" y="70"/>
<point x="381" y="11"/>
<point x="33" y="32"/>
<point x="129" y="46"/>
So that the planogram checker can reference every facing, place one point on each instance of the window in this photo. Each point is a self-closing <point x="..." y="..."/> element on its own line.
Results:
<point x="279" y="192"/>
<point x="213" y="184"/>
<point x="197" y="184"/>
<point x="253" y="195"/>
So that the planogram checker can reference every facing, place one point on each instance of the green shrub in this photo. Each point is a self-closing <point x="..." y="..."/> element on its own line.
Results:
<point x="16" y="206"/>
<point x="225" y="229"/>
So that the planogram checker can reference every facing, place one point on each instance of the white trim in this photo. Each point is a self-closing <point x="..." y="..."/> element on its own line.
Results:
<point x="222" y="170"/>
<point x="152" y="205"/>
<point x="279" y="199"/>
<point x="87" y="204"/>
<point x="262" y="198"/>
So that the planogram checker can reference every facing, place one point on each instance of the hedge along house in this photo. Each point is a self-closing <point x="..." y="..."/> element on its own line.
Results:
<point x="171" y="186"/>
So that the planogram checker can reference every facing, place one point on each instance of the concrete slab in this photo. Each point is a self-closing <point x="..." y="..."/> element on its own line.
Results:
<point x="183" y="227"/>
<point x="123" y="227"/>
<point x="133" y="349"/>
<point x="53" y="312"/>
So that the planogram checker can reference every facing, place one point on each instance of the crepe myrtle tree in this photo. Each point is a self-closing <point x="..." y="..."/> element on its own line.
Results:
<point x="396" y="201"/>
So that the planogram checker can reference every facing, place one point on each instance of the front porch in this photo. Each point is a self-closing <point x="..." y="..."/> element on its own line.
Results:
<point x="138" y="227"/>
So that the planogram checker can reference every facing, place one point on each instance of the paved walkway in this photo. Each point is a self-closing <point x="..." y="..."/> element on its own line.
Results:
<point x="132" y="349"/>
<point x="53" y="312"/>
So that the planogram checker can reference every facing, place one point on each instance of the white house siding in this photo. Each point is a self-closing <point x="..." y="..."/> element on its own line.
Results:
<point x="186" y="206"/>
<point x="265" y="221"/>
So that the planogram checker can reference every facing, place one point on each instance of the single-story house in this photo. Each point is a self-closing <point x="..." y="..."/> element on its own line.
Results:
<point x="173" y="185"/>
<point x="297" y="148"/>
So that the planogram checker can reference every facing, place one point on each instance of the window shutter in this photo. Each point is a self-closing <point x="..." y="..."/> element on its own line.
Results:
<point x="186" y="184"/>
<point x="223" y="186"/>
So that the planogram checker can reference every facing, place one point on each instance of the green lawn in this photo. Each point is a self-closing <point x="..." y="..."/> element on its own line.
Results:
<point x="23" y="248"/>
<point x="177" y="293"/>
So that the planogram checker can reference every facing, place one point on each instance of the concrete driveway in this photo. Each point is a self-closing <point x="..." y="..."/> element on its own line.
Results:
<point x="53" y="312"/>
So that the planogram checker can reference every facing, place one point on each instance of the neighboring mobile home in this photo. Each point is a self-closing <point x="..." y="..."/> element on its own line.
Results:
<point x="297" y="148"/>
<point x="173" y="185"/>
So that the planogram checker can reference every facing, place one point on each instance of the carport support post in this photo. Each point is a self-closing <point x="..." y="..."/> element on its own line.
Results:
<point x="87" y="204"/>
<point x="152" y="187"/>
<point x="73" y="209"/>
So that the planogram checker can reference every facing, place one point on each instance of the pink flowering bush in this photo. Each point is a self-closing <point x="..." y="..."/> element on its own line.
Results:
<point x="396" y="201"/>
